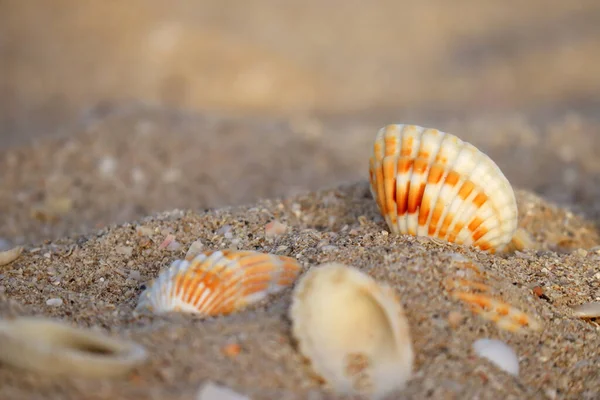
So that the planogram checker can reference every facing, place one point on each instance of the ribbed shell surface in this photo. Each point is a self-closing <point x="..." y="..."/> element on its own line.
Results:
<point x="431" y="183"/>
<point x="219" y="282"/>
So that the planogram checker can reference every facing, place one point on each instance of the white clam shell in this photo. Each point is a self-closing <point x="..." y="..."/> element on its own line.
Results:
<point x="54" y="348"/>
<point x="430" y="183"/>
<point x="353" y="331"/>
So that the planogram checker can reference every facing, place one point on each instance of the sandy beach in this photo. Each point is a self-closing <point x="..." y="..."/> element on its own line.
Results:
<point x="92" y="187"/>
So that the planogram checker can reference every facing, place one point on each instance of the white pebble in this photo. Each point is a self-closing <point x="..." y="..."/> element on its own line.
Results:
<point x="54" y="302"/>
<point x="195" y="249"/>
<point x="275" y="228"/>
<point x="171" y="175"/>
<point x="499" y="353"/>
<point x="135" y="275"/>
<point x="138" y="176"/>
<point x="107" y="166"/>
<point x="212" y="391"/>
<point x="174" y="246"/>
<point x="124" y="250"/>
<point x="225" y="230"/>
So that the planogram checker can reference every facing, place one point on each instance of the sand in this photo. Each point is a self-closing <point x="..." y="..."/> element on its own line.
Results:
<point x="100" y="272"/>
<point x="207" y="122"/>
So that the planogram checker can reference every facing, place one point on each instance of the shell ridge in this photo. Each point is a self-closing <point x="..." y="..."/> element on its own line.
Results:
<point x="425" y="213"/>
<point x="415" y="180"/>
<point x="452" y="140"/>
<point x="465" y="207"/>
<point x="216" y="282"/>
<point x="449" y="216"/>
<point x="444" y="188"/>
<point x="463" y="200"/>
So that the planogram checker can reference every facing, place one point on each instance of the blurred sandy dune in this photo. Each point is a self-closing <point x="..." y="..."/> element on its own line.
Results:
<point x="59" y="58"/>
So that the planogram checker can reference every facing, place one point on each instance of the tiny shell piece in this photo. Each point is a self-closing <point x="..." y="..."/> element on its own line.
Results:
<point x="194" y="250"/>
<point x="218" y="282"/>
<point x="8" y="256"/>
<point x="470" y="286"/>
<point x="353" y="331"/>
<point x="212" y="391"/>
<point x="499" y="353"/>
<point x="587" y="310"/>
<point x="431" y="183"/>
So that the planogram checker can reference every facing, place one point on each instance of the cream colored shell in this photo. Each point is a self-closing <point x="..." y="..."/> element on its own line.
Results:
<point x="353" y="331"/>
<point x="55" y="348"/>
<point x="431" y="183"/>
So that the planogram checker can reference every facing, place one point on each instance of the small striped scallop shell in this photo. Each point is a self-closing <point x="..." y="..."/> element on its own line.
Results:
<point x="431" y="183"/>
<point x="218" y="282"/>
<point x="353" y="330"/>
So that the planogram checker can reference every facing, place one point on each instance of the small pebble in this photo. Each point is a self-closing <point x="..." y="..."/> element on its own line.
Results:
<point x="107" y="166"/>
<point x="231" y="350"/>
<point x="499" y="353"/>
<point x="212" y="391"/>
<point x="166" y="242"/>
<point x="328" y="248"/>
<point x="134" y="275"/>
<point x="275" y="228"/>
<point x="144" y="231"/>
<point x="124" y="250"/>
<point x="171" y="175"/>
<point x="455" y="318"/>
<point x="174" y="246"/>
<point x="538" y="291"/>
<point x="195" y="249"/>
<point x="224" y="230"/>
<point x="138" y="176"/>
<point x="54" y="302"/>
<point x="581" y="252"/>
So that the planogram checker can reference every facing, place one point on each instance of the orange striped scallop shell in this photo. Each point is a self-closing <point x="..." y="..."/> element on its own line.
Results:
<point x="218" y="282"/>
<point x="431" y="183"/>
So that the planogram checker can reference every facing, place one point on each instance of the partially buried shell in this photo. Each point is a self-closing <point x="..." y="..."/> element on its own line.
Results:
<point x="431" y="183"/>
<point x="56" y="348"/>
<point x="218" y="282"/>
<point x="353" y="331"/>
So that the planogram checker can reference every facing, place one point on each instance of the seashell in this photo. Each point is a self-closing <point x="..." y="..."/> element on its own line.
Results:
<point x="53" y="348"/>
<point x="587" y="310"/>
<point x="353" y="331"/>
<point x="213" y="391"/>
<point x="218" y="282"/>
<point x="431" y="183"/>
<point x="469" y="286"/>
<point x="499" y="353"/>
<point x="8" y="256"/>
<point x="505" y="315"/>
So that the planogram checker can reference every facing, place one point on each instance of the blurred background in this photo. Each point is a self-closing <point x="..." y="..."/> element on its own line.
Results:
<point x="146" y="105"/>
<point x="64" y="57"/>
